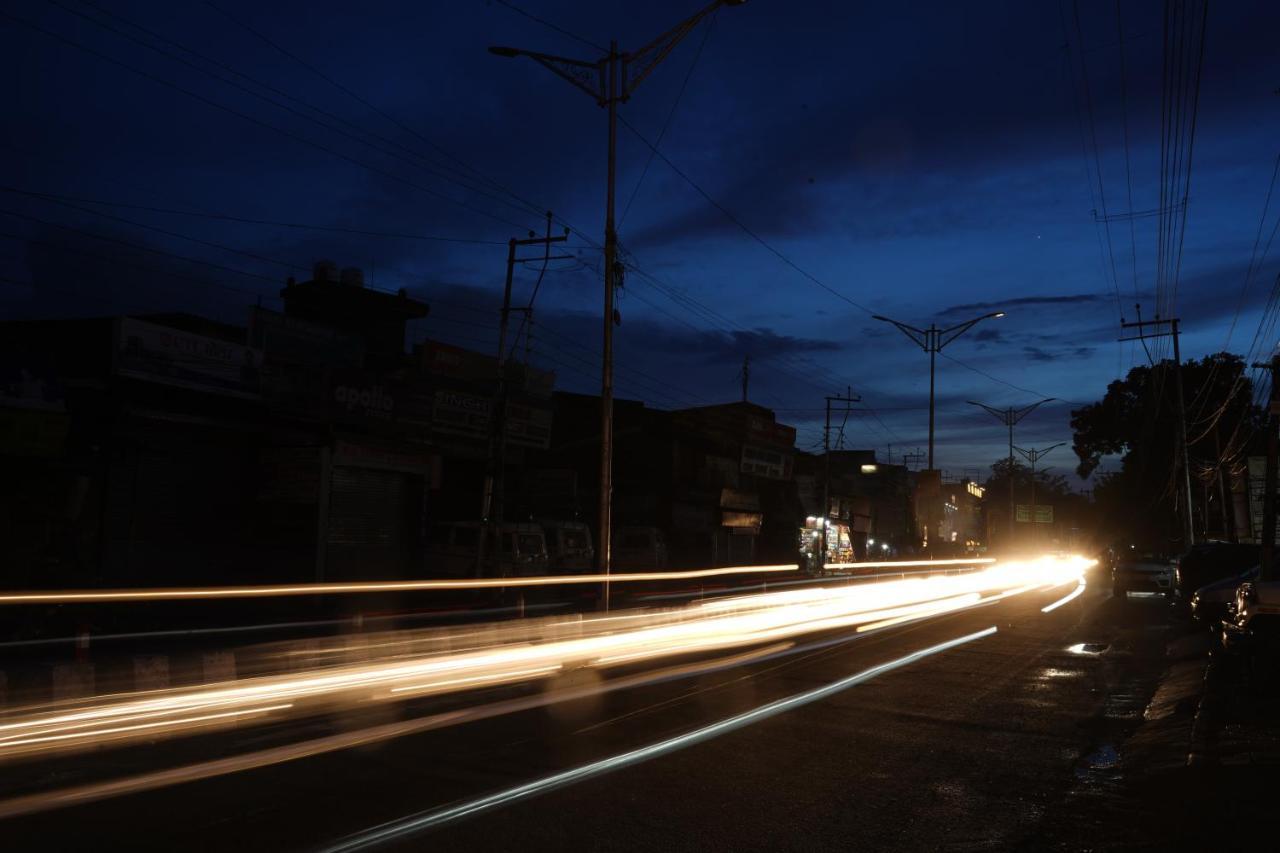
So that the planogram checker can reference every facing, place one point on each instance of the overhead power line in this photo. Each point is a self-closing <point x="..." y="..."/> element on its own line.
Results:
<point x="544" y="22"/>
<point x="738" y="222"/>
<point x="706" y="34"/>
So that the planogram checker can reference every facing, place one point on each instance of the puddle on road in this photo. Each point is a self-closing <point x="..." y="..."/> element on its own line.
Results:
<point x="1125" y="705"/>
<point x="1100" y="766"/>
<point x="1054" y="672"/>
<point x="1088" y="648"/>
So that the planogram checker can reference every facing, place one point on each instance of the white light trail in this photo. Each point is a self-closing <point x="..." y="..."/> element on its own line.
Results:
<point x="85" y="596"/>
<point x="397" y="830"/>
<point x="422" y="663"/>
<point x="1075" y="593"/>
<point x="281" y="590"/>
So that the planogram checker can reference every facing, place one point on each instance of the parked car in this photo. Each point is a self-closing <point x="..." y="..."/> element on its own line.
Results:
<point x="569" y="546"/>
<point x="453" y="550"/>
<point x="1253" y="621"/>
<point x="1141" y="571"/>
<point x="639" y="549"/>
<point x="1207" y="562"/>
<point x="1209" y="603"/>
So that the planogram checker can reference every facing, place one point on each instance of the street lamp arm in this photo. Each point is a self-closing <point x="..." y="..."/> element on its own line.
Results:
<point x="919" y="337"/>
<point x="651" y="55"/>
<point x="999" y="414"/>
<point x="587" y="76"/>
<point x="946" y="336"/>
<point x="1019" y="414"/>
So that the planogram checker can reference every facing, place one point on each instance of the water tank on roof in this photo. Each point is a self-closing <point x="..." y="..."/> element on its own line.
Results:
<point x="353" y="277"/>
<point x="324" y="272"/>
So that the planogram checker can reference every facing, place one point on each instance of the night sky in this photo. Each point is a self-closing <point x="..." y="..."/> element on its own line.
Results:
<point x="927" y="161"/>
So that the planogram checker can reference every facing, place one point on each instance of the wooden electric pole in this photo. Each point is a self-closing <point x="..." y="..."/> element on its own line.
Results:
<point x="848" y="399"/>
<point x="1156" y="329"/>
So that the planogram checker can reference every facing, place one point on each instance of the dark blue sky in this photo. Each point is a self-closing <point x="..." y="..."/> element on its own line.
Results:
<point x="926" y="160"/>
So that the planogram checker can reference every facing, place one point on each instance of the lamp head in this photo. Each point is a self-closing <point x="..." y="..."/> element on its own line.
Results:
<point x="507" y="52"/>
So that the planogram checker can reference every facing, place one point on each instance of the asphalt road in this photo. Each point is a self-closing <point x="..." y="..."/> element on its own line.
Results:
<point x="976" y="747"/>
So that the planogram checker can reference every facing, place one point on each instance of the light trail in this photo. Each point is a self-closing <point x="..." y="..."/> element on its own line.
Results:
<point x="881" y="564"/>
<point x="400" y="829"/>
<point x="95" y="791"/>
<point x="509" y="653"/>
<point x="1075" y="593"/>
<point x="83" y="596"/>
<point x="282" y="590"/>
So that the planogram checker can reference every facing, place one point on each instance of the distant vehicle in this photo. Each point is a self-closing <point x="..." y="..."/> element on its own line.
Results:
<point x="1207" y="562"/>
<point x="639" y="549"/>
<point x="453" y="550"/>
<point x="1209" y="603"/>
<point x="1141" y="571"/>
<point x="568" y="546"/>
<point x="1253" y="621"/>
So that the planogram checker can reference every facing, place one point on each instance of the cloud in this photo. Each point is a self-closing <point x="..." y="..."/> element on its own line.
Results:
<point x="1037" y="354"/>
<point x="1005" y="304"/>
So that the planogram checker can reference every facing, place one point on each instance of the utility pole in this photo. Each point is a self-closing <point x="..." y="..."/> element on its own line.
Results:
<point x="848" y="399"/>
<point x="912" y="457"/>
<point x="609" y="81"/>
<point x="1009" y="417"/>
<point x="932" y="340"/>
<point x="746" y="375"/>
<point x="1033" y="456"/>
<point x="492" y="504"/>
<point x="1157" y="330"/>
<point x="1268" y="569"/>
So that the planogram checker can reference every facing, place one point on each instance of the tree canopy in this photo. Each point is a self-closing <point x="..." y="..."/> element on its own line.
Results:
<point x="1137" y="421"/>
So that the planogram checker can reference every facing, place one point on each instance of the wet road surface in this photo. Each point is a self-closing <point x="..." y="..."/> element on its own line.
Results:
<point x="981" y="746"/>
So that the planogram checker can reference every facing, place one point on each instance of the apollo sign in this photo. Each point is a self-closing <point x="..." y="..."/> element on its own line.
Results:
<point x="369" y="400"/>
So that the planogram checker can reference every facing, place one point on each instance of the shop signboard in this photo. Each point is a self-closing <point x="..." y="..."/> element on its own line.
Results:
<point x="441" y="359"/>
<point x="456" y="413"/>
<point x="747" y="520"/>
<point x="1042" y="514"/>
<point x="1257" y="488"/>
<point x="156" y="353"/>
<point x="772" y="463"/>
<point x="459" y="413"/>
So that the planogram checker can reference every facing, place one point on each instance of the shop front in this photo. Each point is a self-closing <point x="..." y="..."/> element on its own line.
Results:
<point x="839" y="543"/>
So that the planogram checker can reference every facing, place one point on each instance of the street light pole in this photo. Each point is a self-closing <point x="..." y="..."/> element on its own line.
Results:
<point x="932" y="340"/>
<point x="1034" y="455"/>
<point x="609" y="81"/>
<point x="1009" y="417"/>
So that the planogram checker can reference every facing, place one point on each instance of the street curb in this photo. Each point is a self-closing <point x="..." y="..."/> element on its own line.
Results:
<point x="1202" y="750"/>
<point x="1174" y="724"/>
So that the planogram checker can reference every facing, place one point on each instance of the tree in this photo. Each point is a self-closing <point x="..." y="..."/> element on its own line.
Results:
<point x="1071" y="510"/>
<point x="1136" y="421"/>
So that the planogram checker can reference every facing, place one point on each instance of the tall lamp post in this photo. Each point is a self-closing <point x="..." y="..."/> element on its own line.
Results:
<point x="1009" y="417"/>
<point x="932" y="340"/>
<point x="610" y="80"/>
<point x="1034" y="455"/>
